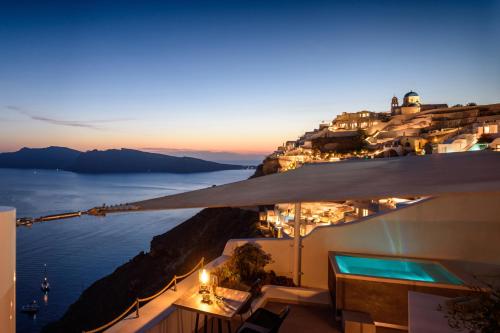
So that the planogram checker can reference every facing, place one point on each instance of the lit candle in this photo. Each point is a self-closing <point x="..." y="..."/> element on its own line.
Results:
<point x="204" y="279"/>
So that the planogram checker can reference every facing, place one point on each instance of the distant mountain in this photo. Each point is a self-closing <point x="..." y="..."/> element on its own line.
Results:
<point x="128" y="160"/>
<point x="39" y="158"/>
<point x="253" y="159"/>
<point x="107" y="161"/>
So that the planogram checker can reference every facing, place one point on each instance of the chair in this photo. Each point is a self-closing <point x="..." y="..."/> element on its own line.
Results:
<point x="264" y="321"/>
<point x="254" y="291"/>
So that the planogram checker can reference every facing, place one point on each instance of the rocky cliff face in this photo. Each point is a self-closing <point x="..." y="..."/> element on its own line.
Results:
<point x="176" y="251"/>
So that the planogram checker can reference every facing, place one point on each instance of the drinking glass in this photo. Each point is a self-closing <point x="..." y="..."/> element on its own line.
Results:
<point x="214" y="284"/>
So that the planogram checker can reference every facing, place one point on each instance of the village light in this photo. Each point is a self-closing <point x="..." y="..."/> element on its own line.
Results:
<point x="279" y="227"/>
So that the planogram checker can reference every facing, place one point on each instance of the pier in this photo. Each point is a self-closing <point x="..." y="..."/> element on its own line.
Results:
<point x="95" y="211"/>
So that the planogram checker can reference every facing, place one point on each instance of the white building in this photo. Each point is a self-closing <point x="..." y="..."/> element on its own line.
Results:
<point x="460" y="143"/>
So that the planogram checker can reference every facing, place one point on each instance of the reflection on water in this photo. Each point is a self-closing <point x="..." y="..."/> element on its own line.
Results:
<point x="81" y="250"/>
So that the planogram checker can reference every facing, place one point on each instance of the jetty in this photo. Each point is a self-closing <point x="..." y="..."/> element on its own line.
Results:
<point x="95" y="211"/>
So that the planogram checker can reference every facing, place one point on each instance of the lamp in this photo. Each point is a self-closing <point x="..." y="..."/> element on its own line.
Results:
<point x="204" y="279"/>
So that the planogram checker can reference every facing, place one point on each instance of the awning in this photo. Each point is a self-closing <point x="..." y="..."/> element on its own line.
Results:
<point x="431" y="175"/>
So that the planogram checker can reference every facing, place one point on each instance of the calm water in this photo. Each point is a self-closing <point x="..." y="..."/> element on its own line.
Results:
<point x="81" y="250"/>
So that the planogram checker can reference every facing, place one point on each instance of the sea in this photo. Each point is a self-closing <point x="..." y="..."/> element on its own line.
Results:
<point x="76" y="252"/>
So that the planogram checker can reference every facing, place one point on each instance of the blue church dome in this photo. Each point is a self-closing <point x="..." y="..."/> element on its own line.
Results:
<point x="411" y="93"/>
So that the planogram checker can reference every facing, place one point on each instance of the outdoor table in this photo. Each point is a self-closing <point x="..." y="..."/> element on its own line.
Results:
<point x="231" y="302"/>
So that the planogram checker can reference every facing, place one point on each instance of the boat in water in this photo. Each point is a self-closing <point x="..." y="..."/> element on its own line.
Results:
<point x="45" y="285"/>
<point x="30" y="308"/>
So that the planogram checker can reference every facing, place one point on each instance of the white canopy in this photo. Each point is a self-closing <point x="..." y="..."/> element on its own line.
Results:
<point x="431" y="175"/>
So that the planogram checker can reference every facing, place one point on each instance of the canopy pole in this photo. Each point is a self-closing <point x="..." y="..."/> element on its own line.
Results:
<point x="297" y="247"/>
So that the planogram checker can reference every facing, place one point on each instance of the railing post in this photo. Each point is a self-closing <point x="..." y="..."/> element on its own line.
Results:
<point x="297" y="246"/>
<point x="175" y="282"/>
<point x="137" y="307"/>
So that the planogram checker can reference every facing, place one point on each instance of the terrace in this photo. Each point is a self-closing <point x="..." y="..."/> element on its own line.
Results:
<point x="456" y="227"/>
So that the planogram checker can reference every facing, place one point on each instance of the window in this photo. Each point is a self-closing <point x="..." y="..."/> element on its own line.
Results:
<point x="365" y="212"/>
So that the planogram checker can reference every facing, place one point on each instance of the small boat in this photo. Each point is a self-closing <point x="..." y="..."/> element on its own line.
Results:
<point x="30" y="308"/>
<point x="45" y="285"/>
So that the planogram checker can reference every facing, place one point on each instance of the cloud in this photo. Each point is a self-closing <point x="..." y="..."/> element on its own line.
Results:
<point x="92" y="124"/>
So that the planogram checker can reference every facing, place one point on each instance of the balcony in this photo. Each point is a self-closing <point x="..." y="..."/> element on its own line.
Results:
<point x="425" y="229"/>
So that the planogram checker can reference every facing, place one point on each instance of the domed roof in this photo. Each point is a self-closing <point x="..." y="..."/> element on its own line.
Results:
<point x="411" y="93"/>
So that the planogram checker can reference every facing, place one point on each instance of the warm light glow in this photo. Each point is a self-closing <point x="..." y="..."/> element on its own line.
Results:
<point x="204" y="277"/>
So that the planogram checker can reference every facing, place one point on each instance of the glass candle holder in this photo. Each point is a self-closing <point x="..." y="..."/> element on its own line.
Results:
<point x="204" y="279"/>
<point x="214" y="283"/>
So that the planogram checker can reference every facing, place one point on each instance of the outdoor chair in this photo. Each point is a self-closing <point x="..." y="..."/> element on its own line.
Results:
<point x="254" y="293"/>
<point x="264" y="321"/>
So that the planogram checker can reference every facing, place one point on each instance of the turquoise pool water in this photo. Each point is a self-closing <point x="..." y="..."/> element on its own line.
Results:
<point x="396" y="269"/>
<point x="478" y="146"/>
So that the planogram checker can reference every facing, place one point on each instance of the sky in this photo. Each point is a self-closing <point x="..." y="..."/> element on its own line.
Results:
<point x="229" y="76"/>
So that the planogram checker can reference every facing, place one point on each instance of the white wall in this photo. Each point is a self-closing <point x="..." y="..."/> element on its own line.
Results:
<point x="7" y="270"/>
<point x="495" y="144"/>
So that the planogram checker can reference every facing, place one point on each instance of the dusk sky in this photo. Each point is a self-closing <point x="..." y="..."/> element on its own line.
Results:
<point x="238" y="76"/>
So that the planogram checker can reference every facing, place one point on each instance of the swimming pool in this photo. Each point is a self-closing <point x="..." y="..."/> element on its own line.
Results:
<point x="396" y="268"/>
<point x="478" y="146"/>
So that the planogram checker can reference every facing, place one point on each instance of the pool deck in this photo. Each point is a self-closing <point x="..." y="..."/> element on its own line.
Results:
<point x="481" y="272"/>
<point x="307" y="318"/>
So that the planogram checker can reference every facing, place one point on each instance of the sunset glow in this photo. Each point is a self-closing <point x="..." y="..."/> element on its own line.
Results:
<point x="230" y="76"/>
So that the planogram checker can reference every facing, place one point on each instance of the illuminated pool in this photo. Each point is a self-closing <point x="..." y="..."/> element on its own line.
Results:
<point x="413" y="270"/>
<point x="478" y="146"/>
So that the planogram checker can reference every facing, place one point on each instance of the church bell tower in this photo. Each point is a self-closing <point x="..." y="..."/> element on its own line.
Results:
<point x="394" y="105"/>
